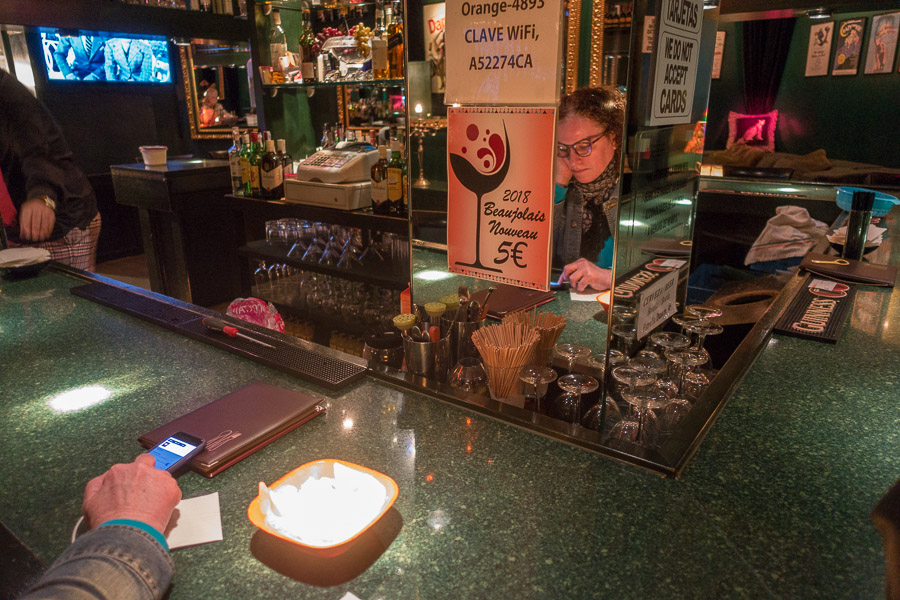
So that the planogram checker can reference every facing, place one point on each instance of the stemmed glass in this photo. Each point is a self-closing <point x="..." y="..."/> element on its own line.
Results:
<point x="631" y="377"/>
<point x="595" y="418"/>
<point x="658" y="368"/>
<point x="352" y="252"/>
<point x="687" y="360"/>
<point x="704" y="328"/>
<point x="703" y="312"/>
<point x="572" y="352"/>
<point x="261" y="277"/>
<point x="567" y="406"/>
<point x="684" y="319"/>
<point x="481" y="183"/>
<point x="539" y="377"/>
<point x="626" y="334"/>
<point x="640" y="429"/>
<point x="672" y="414"/>
<point x="469" y="376"/>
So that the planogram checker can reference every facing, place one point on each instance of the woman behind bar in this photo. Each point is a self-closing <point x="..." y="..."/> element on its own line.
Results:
<point x="589" y="139"/>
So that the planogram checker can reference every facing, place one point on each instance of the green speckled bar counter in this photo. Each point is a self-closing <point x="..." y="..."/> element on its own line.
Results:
<point x="774" y="505"/>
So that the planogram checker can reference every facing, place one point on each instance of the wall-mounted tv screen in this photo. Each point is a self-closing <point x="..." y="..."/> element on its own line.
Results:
<point x="102" y="56"/>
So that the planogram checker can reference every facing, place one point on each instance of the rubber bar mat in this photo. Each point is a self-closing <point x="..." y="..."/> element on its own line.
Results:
<point x="316" y="367"/>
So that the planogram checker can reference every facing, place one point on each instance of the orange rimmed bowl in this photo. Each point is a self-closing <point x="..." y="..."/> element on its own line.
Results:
<point x="318" y="469"/>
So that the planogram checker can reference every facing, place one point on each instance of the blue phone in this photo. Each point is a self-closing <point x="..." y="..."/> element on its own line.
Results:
<point x="175" y="452"/>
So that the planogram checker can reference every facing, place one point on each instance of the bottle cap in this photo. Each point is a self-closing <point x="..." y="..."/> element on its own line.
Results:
<point x="270" y="146"/>
<point x="382" y="151"/>
<point x="281" y="145"/>
<point x="395" y="145"/>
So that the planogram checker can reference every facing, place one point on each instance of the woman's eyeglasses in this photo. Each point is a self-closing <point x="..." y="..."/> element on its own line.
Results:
<point x="582" y="148"/>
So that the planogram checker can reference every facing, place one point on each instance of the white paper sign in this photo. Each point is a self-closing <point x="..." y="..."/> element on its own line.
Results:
<point x="717" y="54"/>
<point x="677" y="57"/>
<point x="503" y="52"/>
<point x="657" y="303"/>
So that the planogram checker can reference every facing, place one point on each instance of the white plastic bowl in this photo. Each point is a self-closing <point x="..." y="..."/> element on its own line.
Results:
<point x="154" y="156"/>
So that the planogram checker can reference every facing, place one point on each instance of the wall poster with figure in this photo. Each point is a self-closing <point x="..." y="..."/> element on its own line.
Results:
<point x="848" y="46"/>
<point x="434" y="45"/>
<point x="819" y="50"/>
<point x="500" y="193"/>
<point x="882" y="43"/>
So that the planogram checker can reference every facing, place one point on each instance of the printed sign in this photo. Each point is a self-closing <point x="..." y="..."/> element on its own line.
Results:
<point x="433" y="18"/>
<point x="848" y="46"/>
<point x="503" y="52"/>
<point x="818" y="311"/>
<point x="677" y="57"/>
<point x="717" y="54"/>
<point x="500" y="193"/>
<point x="882" y="43"/>
<point x="657" y="303"/>
<point x="819" y="49"/>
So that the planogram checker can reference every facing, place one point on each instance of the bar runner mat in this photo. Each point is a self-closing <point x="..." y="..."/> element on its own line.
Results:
<point x="238" y="424"/>
<point x="818" y="311"/>
<point x="327" y="371"/>
<point x="507" y="299"/>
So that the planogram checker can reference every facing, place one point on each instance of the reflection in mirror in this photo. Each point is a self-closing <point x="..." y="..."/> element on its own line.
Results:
<point x="583" y="338"/>
<point x="374" y="107"/>
<point x="216" y="87"/>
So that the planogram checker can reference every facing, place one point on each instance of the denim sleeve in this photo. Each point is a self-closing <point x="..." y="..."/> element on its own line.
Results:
<point x="108" y="563"/>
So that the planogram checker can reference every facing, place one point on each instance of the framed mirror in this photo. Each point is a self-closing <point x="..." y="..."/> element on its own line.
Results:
<point x="373" y="107"/>
<point x="216" y="88"/>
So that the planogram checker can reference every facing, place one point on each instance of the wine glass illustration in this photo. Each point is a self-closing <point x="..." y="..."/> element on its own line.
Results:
<point x="495" y="158"/>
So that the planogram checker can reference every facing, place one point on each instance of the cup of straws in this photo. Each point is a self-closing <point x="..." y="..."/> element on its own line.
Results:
<point x="505" y="349"/>
<point x="548" y="326"/>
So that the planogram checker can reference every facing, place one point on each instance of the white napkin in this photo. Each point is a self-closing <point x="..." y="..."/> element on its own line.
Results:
<point x="790" y="233"/>
<point x="873" y="235"/>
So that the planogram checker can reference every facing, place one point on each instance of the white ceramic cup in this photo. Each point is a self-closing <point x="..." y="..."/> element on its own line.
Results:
<point x="154" y="156"/>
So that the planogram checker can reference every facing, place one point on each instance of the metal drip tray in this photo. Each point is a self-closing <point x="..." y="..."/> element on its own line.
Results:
<point x="313" y="363"/>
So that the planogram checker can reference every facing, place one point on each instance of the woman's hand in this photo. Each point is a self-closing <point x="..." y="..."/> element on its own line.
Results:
<point x="563" y="172"/>
<point x="583" y="274"/>
<point x="137" y="491"/>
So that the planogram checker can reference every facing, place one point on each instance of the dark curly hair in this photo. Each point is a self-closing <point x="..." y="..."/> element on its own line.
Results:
<point x="603" y="105"/>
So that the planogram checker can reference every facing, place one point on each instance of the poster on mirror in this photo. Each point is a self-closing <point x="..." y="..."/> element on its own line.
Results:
<point x="433" y="17"/>
<point x="500" y="193"/>
<point x="882" y="43"/>
<point x="819" y="49"/>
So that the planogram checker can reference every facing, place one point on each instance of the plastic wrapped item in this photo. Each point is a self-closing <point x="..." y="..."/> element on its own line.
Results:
<point x="259" y="312"/>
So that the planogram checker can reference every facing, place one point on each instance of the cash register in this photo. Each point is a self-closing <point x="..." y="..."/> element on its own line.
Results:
<point x="336" y="178"/>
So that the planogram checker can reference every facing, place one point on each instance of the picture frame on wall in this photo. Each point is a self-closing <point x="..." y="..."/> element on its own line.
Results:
<point x="819" y="50"/>
<point x="882" y="45"/>
<point x="848" y="46"/>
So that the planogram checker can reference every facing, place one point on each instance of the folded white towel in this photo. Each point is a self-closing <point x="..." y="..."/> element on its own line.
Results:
<point x="790" y="233"/>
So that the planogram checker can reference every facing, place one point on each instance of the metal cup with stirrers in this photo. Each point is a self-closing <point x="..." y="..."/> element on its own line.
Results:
<point x="505" y="349"/>
<point x="549" y="327"/>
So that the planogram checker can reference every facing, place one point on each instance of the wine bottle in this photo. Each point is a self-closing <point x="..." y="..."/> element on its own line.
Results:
<point x="379" y="45"/>
<point x="271" y="173"/>
<point x="256" y="154"/>
<point x="379" y="181"/>
<point x="396" y="55"/>
<point x="395" y="174"/>
<point x="277" y="41"/>
<point x="245" y="164"/>
<point x="287" y="161"/>
<point x="307" y="42"/>
<point x="234" y="161"/>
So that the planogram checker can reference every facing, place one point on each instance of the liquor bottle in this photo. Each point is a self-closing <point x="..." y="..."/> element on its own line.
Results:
<point x="379" y="45"/>
<point x="379" y="181"/>
<point x="287" y="162"/>
<point x="256" y="154"/>
<point x="326" y="129"/>
<point x="396" y="174"/>
<point x="307" y="41"/>
<point x="234" y="161"/>
<point x="277" y="42"/>
<point x="396" y="56"/>
<point x="245" y="164"/>
<point x="271" y="173"/>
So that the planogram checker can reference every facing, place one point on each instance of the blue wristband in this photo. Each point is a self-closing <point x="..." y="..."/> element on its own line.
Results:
<point x="143" y="527"/>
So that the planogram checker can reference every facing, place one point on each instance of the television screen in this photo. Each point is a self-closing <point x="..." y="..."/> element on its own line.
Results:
<point x="93" y="56"/>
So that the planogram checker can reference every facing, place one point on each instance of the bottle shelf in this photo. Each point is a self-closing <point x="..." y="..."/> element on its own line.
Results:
<point x="263" y="250"/>
<point x="306" y="5"/>
<point x="386" y="83"/>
